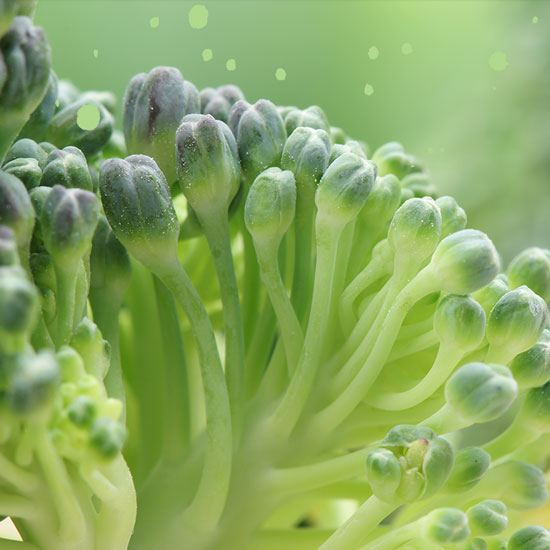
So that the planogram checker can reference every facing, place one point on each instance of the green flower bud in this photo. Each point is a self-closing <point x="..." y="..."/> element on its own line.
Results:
<point x="68" y="221"/>
<point x="306" y="154"/>
<point x="33" y="382"/>
<point x="530" y="538"/>
<point x="107" y="436"/>
<point x="115" y="147"/>
<point x="27" y="148"/>
<point x="16" y="210"/>
<point x="82" y="411"/>
<point x="47" y="147"/>
<point x="40" y="119"/>
<point x="479" y="393"/>
<point x="71" y="365"/>
<point x="490" y="294"/>
<point x="445" y="526"/>
<point x="465" y="261"/>
<point x="517" y="320"/>
<point x="207" y="163"/>
<point x="382" y="202"/>
<point x="453" y="218"/>
<point x="8" y="247"/>
<point x="398" y="164"/>
<point x="38" y="197"/>
<point x="65" y="128"/>
<point x="139" y="208"/>
<point x="109" y="262"/>
<point x="487" y="518"/>
<point x="531" y="368"/>
<point x="88" y="341"/>
<point x="351" y="146"/>
<point x="67" y="93"/>
<point x="387" y="149"/>
<point x="284" y="110"/>
<point x="25" y="169"/>
<point x="106" y="98"/>
<point x="471" y="463"/>
<point x="344" y="188"/>
<point x="415" y="229"/>
<point x="43" y="271"/>
<point x="312" y="117"/>
<point x="459" y="321"/>
<point x="406" y="194"/>
<point x="421" y="185"/>
<point x="532" y="268"/>
<point x="337" y="135"/>
<point x="535" y="411"/>
<point x="260" y="135"/>
<point x="153" y="107"/>
<point x="67" y="167"/>
<point x="218" y="102"/>
<point x="425" y="462"/>
<point x="270" y="205"/>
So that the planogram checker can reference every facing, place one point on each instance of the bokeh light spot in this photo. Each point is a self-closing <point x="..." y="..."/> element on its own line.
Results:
<point x="95" y="53"/>
<point x="88" y="117"/>
<point x="498" y="61"/>
<point x="373" y="52"/>
<point x="535" y="19"/>
<point x="154" y="22"/>
<point x="207" y="54"/>
<point x="231" y="64"/>
<point x="198" y="16"/>
<point x="368" y="90"/>
<point x="280" y="74"/>
<point x="406" y="48"/>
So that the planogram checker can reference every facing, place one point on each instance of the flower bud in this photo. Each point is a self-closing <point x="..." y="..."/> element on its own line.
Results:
<point x="43" y="271"/>
<point x="415" y="228"/>
<point x="471" y="463"/>
<point x="531" y="368"/>
<point x="8" y="247"/>
<point x="65" y="129"/>
<point x="535" y="411"/>
<point x="530" y="538"/>
<point x="37" y="125"/>
<point x="270" y="205"/>
<point x="106" y="98"/>
<point x="387" y="149"/>
<point x="88" y="341"/>
<point x="312" y="117"/>
<point x="337" y="135"/>
<point x="67" y="92"/>
<point x="27" y="148"/>
<point x="479" y="393"/>
<point x="207" y="163"/>
<point x="82" y="411"/>
<point x="139" y="208"/>
<point x="68" y="221"/>
<point x="382" y="202"/>
<point x="153" y="107"/>
<point x="38" y="197"/>
<point x="33" y="382"/>
<point x="459" y="321"/>
<point x="395" y="163"/>
<point x="306" y="154"/>
<point x="67" y="167"/>
<point x="25" y="169"/>
<point x="532" y="268"/>
<point x="453" y="218"/>
<point x="445" y="526"/>
<point x="421" y="185"/>
<point x="406" y="194"/>
<point x="487" y="518"/>
<point x="260" y="135"/>
<point x="107" y="436"/>
<point x="218" y="102"/>
<point x="517" y="320"/>
<point x="490" y="294"/>
<point x="465" y="261"/>
<point x="343" y="189"/>
<point x="423" y="459"/>
<point x="351" y="146"/>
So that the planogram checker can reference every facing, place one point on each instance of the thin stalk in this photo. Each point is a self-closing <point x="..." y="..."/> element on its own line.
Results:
<point x="65" y="297"/>
<point x="295" y="539"/>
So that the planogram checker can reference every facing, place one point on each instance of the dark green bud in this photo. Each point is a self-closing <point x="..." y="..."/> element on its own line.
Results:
<point x="415" y="229"/>
<point x="109" y="262"/>
<point x="139" y="208"/>
<point x="16" y="211"/>
<point x="306" y="154"/>
<point x="153" y="107"/>
<point x="531" y="368"/>
<point x="260" y="135"/>
<point x="270" y="205"/>
<point x="82" y="411"/>
<point x="490" y="294"/>
<point x="107" y="436"/>
<point x="477" y="392"/>
<point x="40" y="119"/>
<point x="312" y="117"/>
<point x="27" y="148"/>
<point x="453" y="218"/>
<point x="66" y="127"/>
<point x="8" y="247"/>
<point x="67" y="167"/>
<point x="465" y="261"/>
<point x="471" y="463"/>
<point x="25" y="169"/>
<point x="67" y="93"/>
<point x="421" y="185"/>
<point x="382" y="202"/>
<point x="106" y="98"/>
<point x="337" y="135"/>
<point x="68" y="221"/>
<point x="459" y="321"/>
<point x="88" y="341"/>
<point x="115" y="147"/>
<point x="487" y="518"/>
<point x="530" y="538"/>
<point x="532" y="268"/>
<point x="517" y="320"/>
<point x="218" y="102"/>
<point x="33" y="382"/>
<point x="445" y="526"/>
<point x="343" y="189"/>
<point x="43" y="271"/>
<point x="207" y="163"/>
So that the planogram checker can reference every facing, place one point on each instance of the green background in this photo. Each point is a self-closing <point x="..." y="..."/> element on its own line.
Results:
<point x="465" y="85"/>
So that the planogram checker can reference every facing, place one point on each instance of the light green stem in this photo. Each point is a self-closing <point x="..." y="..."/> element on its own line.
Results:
<point x="16" y="506"/>
<point x="445" y="421"/>
<point x="16" y="545"/>
<point x="290" y="539"/>
<point x="66" y="277"/>
<point x="405" y="348"/>
<point x="500" y="355"/>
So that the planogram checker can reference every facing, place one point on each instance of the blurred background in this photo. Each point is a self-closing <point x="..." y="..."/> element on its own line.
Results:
<point x="465" y="85"/>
